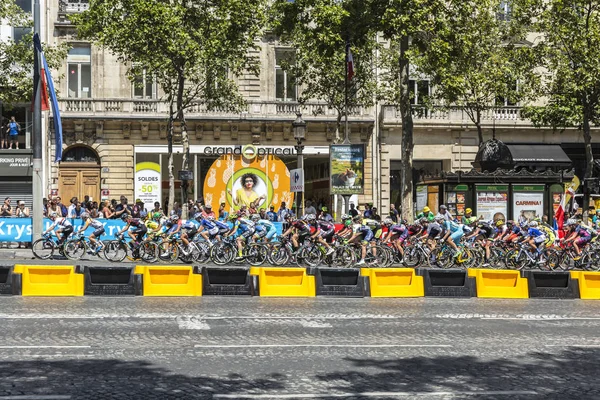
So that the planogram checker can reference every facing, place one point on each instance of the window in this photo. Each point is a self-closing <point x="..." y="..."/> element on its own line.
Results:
<point x="504" y="11"/>
<point x="144" y="86"/>
<point x="19" y="33"/>
<point x="508" y="101"/>
<point x="285" y="88"/>
<point x="79" y="73"/>
<point x="419" y="91"/>
<point x="24" y="5"/>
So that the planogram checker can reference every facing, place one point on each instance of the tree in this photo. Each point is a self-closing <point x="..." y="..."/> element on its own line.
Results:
<point x="401" y="20"/>
<point x="569" y="53"/>
<point x="16" y="59"/>
<point x="477" y="57"/>
<point x="318" y="30"/>
<point x="195" y="49"/>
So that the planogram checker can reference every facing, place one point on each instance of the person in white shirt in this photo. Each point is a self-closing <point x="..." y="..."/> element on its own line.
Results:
<point x="309" y="209"/>
<point x="444" y="213"/>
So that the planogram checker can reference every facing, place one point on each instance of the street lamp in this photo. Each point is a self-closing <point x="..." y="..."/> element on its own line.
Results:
<point x="299" y="127"/>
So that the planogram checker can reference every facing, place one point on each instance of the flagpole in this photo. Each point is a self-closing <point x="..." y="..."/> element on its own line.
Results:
<point x="38" y="173"/>
<point x="346" y="133"/>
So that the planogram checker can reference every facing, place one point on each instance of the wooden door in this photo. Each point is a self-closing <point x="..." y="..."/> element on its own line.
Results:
<point x="79" y="180"/>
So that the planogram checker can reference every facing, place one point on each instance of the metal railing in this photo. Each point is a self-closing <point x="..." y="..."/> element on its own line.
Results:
<point x="73" y="6"/>
<point x="456" y="115"/>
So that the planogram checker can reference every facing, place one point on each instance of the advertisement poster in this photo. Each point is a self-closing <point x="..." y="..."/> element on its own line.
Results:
<point x="421" y="198"/>
<point x="148" y="183"/>
<point x="347" y="168"/>
<point x="530" y="203"/>
<point x="251" y="180"/>
<point x="492" y="202"/>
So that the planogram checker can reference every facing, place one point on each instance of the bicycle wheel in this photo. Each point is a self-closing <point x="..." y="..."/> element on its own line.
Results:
<point x="278" y="254"/>
<point x="310" y="255"/>
<point x="43" y="248"/>
<point x="342" y="258"/>
<point x="201" y="252"/>
<point x="168" y="251"/>
<point x="222" y="253"/>
<point x="255" y="254"/>
<point x="412" y="256"/>
<point x="75" y="249"/>
<point x="149" y="252"/>
<point x="115" y="251"/>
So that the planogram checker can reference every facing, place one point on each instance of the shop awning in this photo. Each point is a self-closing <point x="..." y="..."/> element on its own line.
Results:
<point x="539" y="155"/>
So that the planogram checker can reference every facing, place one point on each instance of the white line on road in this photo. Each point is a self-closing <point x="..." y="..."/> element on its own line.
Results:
<point x="348" y="345"/>
<point x="35" y="397"/>
<point x="374" y="394"/>
<point x="45" y="347"/>
<point x="593" y="346"/>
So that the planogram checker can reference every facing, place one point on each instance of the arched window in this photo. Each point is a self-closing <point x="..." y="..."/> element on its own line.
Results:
<point x="80" y="154"/>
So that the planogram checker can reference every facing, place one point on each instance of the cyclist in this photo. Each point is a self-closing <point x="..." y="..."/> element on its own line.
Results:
<point x="453" y="233"/>
<point x="368" y="230"/>
<point x="98" y="231"/>
<point x="211" y="227"/>
<point x="138" y="231"/>
<point x="397" y="234"/>
<point x="59" y="225"/>
<point x="188" y="231"/>
<point x="346" y="230"/>
<point x="299" y="229"/>
<point x="265" y="229"/>
<point x="484" y="231"/>
<point x="171" y="228"/>
<point x="578" y="235"/>
<point x="153" y="222"/>
<point x="246" y="228"/>
<point x="324" y="230"/>
<point x="431" y="230"/>
<point x="535" y="237"/>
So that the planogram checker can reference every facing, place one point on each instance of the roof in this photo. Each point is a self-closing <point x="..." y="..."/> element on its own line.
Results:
<point x="539" y="155"/>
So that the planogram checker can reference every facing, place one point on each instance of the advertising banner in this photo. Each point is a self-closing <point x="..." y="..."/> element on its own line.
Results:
<point x="148" y="183"/>
<point x="529" y="202"/>
<point x="347" y="168"/>
<point x="492" y="202"/>
<point x="248" y="179"/>
<point x="297" y="180"/>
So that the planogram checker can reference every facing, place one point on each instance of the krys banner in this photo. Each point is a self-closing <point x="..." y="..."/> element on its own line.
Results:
<point x="347" y="168"/>
<point x="19" y="229"/>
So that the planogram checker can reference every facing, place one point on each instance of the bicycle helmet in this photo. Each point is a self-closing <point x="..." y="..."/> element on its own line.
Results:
<point x="290" y="217"/>
<point x="439" y="219"/>
<point x="84" y="215"/>
<point x="255" y="217"/>
<point x="124" y="216"/>
<point x="570" y="222"/>
<point x="510" y="223"/>
<point x="423" y="220"/>
<point x="533" y="224"/>
<point x="525" y="224"/>
<point x="345" y="217"/>
<point x="311" y="217"/>
<point x="174" y="218"/>
<point x="358" y="218"/>
<point x="198" y="217"/>
<point x="156" y="216"/>
<point x="388" y="222"/>
<point x="348" y="223"/>
<point x="500" y="222"/>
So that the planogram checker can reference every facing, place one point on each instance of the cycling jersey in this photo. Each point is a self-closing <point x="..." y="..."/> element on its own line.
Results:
<point x="400" y="230"/>
<point x="94" y="223"/>
<point x="325" y="225"/>
<point x="152" y="224"/>
<point x="62" y="222"/>
<point x="485" y="230"/>
<point x="301" y="226"/>
<point x="433" y="229"/>
<point x="245" y="227"/>
<point x="208" y="225"/>
<point x="189" y="224"/>
<point x="451" y="226"/>
<point x="537" y="235"/>
<point x="414" y="230"/>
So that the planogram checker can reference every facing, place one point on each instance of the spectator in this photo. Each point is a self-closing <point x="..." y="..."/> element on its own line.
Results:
<point x="157" y="208"/>
<point x="45" y="205"/>
<point x="309" y="208"/>
<point x="325" y="214"/>
<point x="426" y="213"/>
<point x="262" y="213"/>
<point x="86" y="201"/>
<point x="105" y="209"/>
<point x="63" y="209"/>
<point x="352" y="211"/>
<point x="444" y="213"/>
<point x="73" y="201"/>
<point x="7" y="209"/>
<point x="293" y="210"/>
<point x="176" y="209"/>
<point x="137" y="208"/>
<point x="76" y="211"/>
<point x="93" y="210"/>
<point x="22" y="212"/>
<point x="374" y="214"/>
<point x="394" y="214"/>
<point x="368" y="213"/>
<point x="271" y="215"/>
<point x="222" y="213"/>
<point x="13" y="133"/>
<point x="208" y="211"/>
<point x="54" y="208"/>
<point x="282" y="212"/>
<point x="122" y="208"/>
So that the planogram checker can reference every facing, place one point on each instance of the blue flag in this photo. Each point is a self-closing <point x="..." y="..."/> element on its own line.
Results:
<point x="52" y="93"/>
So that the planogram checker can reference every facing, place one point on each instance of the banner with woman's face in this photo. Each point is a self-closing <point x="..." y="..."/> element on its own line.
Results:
<point x="254" y="182"/>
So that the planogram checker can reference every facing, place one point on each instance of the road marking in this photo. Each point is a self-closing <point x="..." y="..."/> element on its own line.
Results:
<point x="348" y="345"/>
<point x="574" y="345"/>
<point x="375" y="394"/>
<point x="192" y="324"/>
<point x="309" y="323"/>
<point x="45" y="347"/>
<point x="35" y="397"/>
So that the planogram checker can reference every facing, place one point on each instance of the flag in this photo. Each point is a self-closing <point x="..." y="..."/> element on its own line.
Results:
<point x="46" y="79"/>
<point x="350" y="61"/>
<point x="36" y="80"/>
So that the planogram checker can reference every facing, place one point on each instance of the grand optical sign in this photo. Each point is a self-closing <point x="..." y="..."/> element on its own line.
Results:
<point x="249" y="151"/>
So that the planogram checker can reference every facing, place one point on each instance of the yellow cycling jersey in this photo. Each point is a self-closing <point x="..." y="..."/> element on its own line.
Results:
<point x="150" y="224"/>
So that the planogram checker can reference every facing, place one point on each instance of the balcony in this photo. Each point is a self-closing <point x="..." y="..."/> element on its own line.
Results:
<point x="66" y="7"/>
<point x="456" y="116"/>
<point x="156" y="109"/>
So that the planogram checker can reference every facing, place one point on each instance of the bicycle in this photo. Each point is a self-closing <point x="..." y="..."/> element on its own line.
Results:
<point x="77" y="246"/>
<point x="522" y="257"/>
<point x="44" y="247"/>
<point x="118" y="250"/>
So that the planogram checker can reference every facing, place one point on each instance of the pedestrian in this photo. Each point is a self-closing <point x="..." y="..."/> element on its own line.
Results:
<point x="352" y="211"/>
<point x="374" y="214"/>
<point x="13" y="133"/>
<point x="222" y="213"/>
<point x="63" y="209"/>
<point x="271" y="214"/>
<point x="394" y="214"/>
<point x="22" y="212"/>
<point x="45" y="206"/>
<point x="282" y="212"/>
<point x="368" y="212"/>
<point x="325" y="214"/>
<point x="7" y="209"/>
<point x="444" y="213"/>
<point x="76" y="211"/>
<point x="122" y="208"/>
<point x="54" y="208"/>
<point x="309" y="208"/>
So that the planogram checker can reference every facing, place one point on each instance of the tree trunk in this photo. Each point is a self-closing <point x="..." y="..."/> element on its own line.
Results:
<point x="479" y="128"/>
<point x="589" y="164"/>
<point x="185" y="141"/>
<point x="170" y="162"/>
<point x="406" y="174"/>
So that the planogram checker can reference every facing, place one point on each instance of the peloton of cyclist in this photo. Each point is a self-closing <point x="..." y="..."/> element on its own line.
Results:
<point x="138" y="231"/>
<point x="98" y="231"/>
<point x="60" y="225"/>
<point x="324" y="230"/>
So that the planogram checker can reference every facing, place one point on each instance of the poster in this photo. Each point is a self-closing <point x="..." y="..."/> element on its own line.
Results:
<point x="250" y="180"/>
<point x="492" y="202"/>
<point x="148" y="183"/>
<point x="421" y="198"/>
<point x="530" y="202"/>
<point x="347" y="168"/>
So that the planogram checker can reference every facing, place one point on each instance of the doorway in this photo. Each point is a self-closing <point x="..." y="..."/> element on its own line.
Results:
<point x="79" y="174"/>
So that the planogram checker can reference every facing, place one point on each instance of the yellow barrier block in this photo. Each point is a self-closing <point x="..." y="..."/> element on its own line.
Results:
<point x="394" y="282"/>
<point x="500" y="284"/>
<point x="50" y="280"/>
<point x="589" y="284"/>
<point x="284" y="282"/>
<point x="170" y="280"/>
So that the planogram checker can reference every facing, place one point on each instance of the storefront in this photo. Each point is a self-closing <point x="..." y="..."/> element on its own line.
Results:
<point x="16" y="170"/>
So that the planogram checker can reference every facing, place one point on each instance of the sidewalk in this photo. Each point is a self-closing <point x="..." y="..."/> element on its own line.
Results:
<point x="11" y="251"/>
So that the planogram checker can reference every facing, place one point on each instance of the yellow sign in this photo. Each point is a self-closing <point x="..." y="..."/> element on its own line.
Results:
<point x="251" y="180"/>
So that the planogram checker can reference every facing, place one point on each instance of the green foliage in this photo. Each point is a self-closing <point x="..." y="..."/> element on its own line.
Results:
<point x="16" y="59"/>
<point x="193" y="48"/>
<point x="318" y="31"/>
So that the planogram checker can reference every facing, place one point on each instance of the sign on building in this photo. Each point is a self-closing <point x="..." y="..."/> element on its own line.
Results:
<point x="148" y="183"/>
<point x="347" y="168"/>
<point x="297" y="180"/>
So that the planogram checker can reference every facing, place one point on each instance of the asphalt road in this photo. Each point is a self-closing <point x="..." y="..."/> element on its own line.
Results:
<point x="320" y="348"/>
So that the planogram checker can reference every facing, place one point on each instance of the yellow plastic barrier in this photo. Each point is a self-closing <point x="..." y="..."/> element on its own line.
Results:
<point x="500" y="284"/>
<point x="50" y="280"/>
<point x="589" y="284"/>
<point x="284" y="282"/>
<point x="170" y="280"/>
<point x="394" y="282"/>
